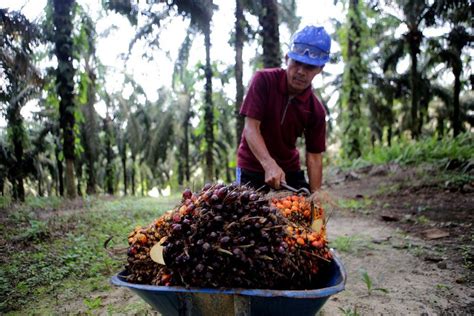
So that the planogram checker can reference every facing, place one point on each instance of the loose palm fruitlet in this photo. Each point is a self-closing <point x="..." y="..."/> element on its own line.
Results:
<point x="299" y="210"/>
<point x="228" y="236"/>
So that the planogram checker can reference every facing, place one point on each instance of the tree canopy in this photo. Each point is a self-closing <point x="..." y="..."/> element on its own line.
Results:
<point x="407" y="74"/>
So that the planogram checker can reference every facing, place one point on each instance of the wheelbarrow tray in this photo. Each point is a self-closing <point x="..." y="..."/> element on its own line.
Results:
<point x="176" y="300"/>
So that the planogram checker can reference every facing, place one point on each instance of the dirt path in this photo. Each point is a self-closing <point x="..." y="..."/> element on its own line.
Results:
<point x="414" y="286"/>
<point x="422" y="273"/>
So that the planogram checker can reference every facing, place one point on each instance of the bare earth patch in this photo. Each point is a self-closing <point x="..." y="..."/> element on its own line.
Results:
<point x="420" y="251"/>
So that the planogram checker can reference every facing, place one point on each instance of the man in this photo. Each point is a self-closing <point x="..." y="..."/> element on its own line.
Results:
<point x="280" y="107"/>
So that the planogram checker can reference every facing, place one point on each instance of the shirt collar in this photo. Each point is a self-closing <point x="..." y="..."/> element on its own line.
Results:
<point x="283" y="88"/>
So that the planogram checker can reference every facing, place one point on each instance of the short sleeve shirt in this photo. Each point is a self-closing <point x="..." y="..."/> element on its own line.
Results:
<point x="282" y="120"/>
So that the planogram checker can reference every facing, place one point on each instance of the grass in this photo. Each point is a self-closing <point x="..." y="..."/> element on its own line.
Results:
<point x="466" y="254"/>
<point x="349" y="311"/>
<point x="356" y="205"/>
<point x="349" y="244"/>
<point x="369" y="283"/>
<point x="427" y="150"/>
<point x="422" y="220"/>
<point x="389" y="189"/>
<point x="58" y="257"/>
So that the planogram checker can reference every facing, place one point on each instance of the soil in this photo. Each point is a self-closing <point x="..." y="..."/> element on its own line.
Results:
<point x="415" y="241"/>
<point x="412" y="236"/>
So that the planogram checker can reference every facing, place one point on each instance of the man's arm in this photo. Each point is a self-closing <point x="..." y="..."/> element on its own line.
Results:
<point x="314" y="163"/>
<point x="274" y="175"/>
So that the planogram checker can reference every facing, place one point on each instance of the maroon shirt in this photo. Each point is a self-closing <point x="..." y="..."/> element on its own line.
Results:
<point x="266" y="100"/>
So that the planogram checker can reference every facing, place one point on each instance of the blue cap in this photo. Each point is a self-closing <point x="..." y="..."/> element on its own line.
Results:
<point x="311" y="46"/>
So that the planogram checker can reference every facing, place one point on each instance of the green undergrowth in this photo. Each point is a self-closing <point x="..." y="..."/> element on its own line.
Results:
<point x="356" y="205"/>
<point x="54" y="249"/>
<point x="446" y="152"/>
<point x="350" y="244"/>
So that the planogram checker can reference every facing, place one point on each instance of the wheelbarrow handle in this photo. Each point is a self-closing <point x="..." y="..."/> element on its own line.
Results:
<point x="290" y="188"/>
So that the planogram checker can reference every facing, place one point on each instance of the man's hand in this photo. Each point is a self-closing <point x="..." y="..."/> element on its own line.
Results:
<point x="274" y="175"/>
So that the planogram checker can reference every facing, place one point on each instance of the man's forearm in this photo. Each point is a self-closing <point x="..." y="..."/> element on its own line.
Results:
<point x="274" y="175"/>
<point x="314" y="163"/>
<point x="256" y="143"/>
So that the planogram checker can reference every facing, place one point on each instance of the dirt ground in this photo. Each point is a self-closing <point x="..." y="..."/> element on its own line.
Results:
<point x="413" y="238"/>
<point x="415" y="241"/>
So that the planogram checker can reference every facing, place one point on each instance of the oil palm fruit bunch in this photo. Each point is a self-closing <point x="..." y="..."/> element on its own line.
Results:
<point x="228" y="236"/>
<point x="140" y="266"/>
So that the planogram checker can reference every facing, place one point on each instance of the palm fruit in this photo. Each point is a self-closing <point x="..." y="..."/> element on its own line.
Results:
<point x="229" y="237"/>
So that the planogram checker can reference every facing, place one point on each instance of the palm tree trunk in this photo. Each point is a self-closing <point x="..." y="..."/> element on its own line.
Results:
<point x="180" y="160"/>
<point x="70" y="185"/>
<point x="143" y="182"/>
<point x="62" y="19"/>
<point x="390" y="120"/>
<point x="40" y="187"/>
<point x="228" y="173"/>
<point x="2" y="185"/>
<point x="109" y="169"/>
<point x="414" y="98"/>
<point x="354" y="84"/>
<point x="133" y="175"/>
<point x="79" y="175"/>
<point x="268" y="19"/>
<point x="91" y="141"/>
<point x="184" y="173"/>
<point x="124" y="169"/>
<point x="59" y="164"/>
<point x="187" y="171"/>
<point x="414" y="40"/>
<point x="389" y="136"/>
<point x="239" y="44"/>
<point x="209" y="108"/>
<point x="457" y="128"/>
<point x="440" y="127"/>
<point x="15" y="125"/>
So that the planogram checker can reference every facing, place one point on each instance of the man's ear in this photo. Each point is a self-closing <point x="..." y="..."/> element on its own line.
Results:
<point x="286" y="59"/>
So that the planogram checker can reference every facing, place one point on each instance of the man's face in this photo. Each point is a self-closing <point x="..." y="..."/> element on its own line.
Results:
<point x="300" y="75"/>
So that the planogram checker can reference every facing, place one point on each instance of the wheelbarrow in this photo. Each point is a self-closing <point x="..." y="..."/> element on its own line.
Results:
<point x="175" y="300"/>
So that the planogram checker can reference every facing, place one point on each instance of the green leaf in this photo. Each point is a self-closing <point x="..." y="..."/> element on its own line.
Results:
<point x="367" y="280"/>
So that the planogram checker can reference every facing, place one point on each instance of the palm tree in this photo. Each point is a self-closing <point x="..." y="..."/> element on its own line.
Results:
<point x="416" y="14"/>
<point x="23" y="80"/>
<point x="89" y="127"/>
<point x="201" y="13"/>
<point x="354" y="77"/>
<point x="451" y="55"/>
<point x="62" y="19"/>
<point x="183" y="82"/>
